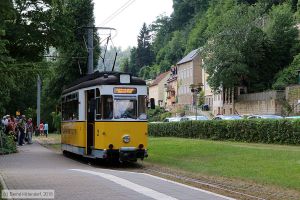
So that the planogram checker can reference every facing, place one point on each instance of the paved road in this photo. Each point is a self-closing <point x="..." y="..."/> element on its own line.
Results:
<point x="36" y="167"/>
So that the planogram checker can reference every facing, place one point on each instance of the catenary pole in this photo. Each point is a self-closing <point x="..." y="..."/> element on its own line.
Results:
<point x="38" y="104"/>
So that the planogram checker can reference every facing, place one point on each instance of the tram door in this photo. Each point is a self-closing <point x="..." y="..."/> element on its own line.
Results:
<point x="91" y="105"/>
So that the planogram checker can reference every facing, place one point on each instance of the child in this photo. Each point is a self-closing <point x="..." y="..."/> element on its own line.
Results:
<point x="41" y="128"/>
<point x="46" y="129"/>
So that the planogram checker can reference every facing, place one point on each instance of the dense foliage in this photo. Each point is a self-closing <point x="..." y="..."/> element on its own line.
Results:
<point x="44" y="38"/>
<point x="157" y="114"/>
<point x="263" y="131"/>
<point x="7" y="144"/>
<point x="242" y="42"/>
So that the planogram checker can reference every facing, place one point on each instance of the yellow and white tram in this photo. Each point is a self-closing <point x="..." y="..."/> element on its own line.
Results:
<point x="104" y="116"/>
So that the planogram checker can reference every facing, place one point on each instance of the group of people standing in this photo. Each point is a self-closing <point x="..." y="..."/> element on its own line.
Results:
<point x="22" y="129"/>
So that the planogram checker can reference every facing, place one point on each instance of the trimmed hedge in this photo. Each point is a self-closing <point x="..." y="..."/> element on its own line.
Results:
<point x="262" y="131"/>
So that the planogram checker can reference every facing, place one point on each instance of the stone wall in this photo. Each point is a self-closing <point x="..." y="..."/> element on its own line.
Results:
<point x="292" y="94"/>
<point x="270" y="102"/>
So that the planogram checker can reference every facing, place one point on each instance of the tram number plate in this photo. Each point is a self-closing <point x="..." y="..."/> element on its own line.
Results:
<point x="124" y="90"/>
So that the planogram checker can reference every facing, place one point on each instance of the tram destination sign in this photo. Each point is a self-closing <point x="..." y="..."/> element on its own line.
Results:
<point x="124" y="90"/>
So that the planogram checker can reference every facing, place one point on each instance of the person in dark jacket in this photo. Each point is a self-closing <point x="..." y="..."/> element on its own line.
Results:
<point x="21" y="128"/>
<point x="29" y="128"/>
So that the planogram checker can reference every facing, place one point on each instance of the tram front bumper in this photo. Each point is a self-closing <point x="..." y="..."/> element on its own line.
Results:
<point x="127" y="153"/>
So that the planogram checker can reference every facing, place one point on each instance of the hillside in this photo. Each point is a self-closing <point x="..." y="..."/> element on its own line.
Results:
<point x="254" y="43"/>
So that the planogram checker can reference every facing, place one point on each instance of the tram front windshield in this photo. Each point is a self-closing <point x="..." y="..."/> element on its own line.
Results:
<point x="125" y="108"/>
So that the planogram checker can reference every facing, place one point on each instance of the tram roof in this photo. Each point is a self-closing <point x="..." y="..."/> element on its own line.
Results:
<point x="101" y="78"/>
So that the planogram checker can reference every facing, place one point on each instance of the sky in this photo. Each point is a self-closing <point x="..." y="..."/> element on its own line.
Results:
<point x="128" y="22"/>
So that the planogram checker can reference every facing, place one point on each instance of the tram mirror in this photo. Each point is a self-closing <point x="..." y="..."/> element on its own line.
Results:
<point x="152" y="103"/>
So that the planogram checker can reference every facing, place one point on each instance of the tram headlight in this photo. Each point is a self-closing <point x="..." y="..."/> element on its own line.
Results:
<point x="126" y="138"/>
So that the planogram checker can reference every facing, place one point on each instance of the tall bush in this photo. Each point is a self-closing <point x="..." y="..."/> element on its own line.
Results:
<point x="56" y="121"/>
<point x="7" y="144"/>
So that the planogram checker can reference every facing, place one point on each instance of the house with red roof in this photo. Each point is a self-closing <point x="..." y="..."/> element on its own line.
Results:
<point x="157" y="89"/>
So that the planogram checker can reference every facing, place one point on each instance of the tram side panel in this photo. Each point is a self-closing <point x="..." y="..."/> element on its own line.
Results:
<point x="73" y="137"/>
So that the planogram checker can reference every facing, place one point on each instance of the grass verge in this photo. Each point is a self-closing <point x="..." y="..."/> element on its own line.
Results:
<point x="261" y="163"/>
<point x="53" y="138"/>
<point x="52" y="141"/>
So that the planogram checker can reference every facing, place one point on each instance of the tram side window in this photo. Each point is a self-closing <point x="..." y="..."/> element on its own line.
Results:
<point x="98" y="105"/>
<point x="107" y="106"/>
<point x="70" y="108"/>
<point x="142" y="105"/>
<point x="98" y="108"/>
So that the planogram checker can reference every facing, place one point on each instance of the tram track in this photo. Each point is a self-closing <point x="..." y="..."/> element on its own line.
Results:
<point x="215" y="186"/>
<point x="227" y="187"/>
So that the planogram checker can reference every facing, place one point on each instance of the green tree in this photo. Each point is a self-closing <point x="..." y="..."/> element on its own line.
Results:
<point x="6" y="81"/>
<point x="145" y="72"/>
<point x="74" y="16"/>
<point x="197" y="37"/>
<point x="144" y="53"/>
<point x="124" y="67"/>
<point x="172" y="52"/>
<point x="29" y="34"/>
<point x="184" y="11"/>
<point x="288" y="75"/>
<point x="56" y="121"/>
<point x="233" y="55"/>
<point x="283" y="35"/>
<point x="161" y="30"/>
<point x="133" y="68"/>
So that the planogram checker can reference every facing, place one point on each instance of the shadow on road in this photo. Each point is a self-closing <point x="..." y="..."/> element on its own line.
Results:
<point x="105" y="164"/>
